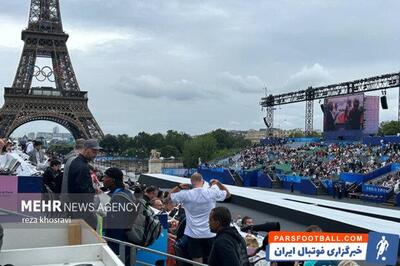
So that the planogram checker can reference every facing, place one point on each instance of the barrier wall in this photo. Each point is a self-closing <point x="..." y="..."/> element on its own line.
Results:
<point x="308" y="187"/>
<point x="361" y="178"/>
<point x="115" y="158"/>
<point x="222" y="174"/>
<point x="352" y="177"/>
<point x="343" y="135"/>
<point x="304" y="139"/>
<point x="249" y="177"/>
<point x="264" y="180"/>
<point x="376" y="193"/>
<point x="182" y="172"/>
<point x="272" y="141"/>
<point x="328" y="184"/>
<point x="287" y="181"/>
<point x="377" y="140"/>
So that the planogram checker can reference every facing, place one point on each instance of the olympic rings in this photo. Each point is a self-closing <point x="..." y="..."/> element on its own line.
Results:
<point x="41" y="74"/>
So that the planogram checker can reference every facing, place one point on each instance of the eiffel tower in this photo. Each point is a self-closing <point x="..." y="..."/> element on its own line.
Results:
<point x="65" y="103"/>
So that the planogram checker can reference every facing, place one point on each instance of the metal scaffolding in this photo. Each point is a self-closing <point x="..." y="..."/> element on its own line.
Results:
<point x="382" y="82"/>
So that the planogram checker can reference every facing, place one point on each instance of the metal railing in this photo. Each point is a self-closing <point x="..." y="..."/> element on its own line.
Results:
<point x="135" y="248"/>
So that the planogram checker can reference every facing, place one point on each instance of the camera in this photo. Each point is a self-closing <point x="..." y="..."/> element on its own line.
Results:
<point x="265" y="227"/>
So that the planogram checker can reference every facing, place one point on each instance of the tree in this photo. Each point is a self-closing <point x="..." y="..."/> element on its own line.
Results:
<point x="157" y="141"/>
<point x="110" y="144"/>
<point x="241" y="142"/>
<point x="60" y="148"/>
<point x="169" y="150"/>
<point x="124" y="142"/>
<point x="202" y="147"/>
<point x="389" y="128"/>
<point x="225" y="140"/>
<point x="176" y="139"/>
<point x="142" y="144"/>
<point x="130" y="152"/>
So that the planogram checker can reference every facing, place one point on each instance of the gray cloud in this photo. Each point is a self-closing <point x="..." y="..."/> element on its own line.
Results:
<point x="244" y="84"/>
<point x="148" y="86"/>
<point x="211" y="58"/>
<point x="314" y="75"/>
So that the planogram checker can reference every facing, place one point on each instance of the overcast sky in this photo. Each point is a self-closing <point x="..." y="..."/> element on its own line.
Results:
<point x="195" y="66"/>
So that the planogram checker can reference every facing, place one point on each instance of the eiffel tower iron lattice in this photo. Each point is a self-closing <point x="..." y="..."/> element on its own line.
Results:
<point x="65" y="104"/>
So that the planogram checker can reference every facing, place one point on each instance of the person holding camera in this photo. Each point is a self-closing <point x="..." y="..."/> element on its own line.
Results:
<point x="198" y="203"/>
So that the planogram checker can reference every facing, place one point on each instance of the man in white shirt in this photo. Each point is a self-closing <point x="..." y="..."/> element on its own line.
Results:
<point x="198" y="203"/>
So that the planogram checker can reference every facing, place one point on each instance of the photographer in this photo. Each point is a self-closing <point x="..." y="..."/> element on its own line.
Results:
<point x="198" y="203"/>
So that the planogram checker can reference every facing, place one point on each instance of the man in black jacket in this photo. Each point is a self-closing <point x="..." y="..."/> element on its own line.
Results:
<point x="80" y="185"/>
<point x="229" y="247"/>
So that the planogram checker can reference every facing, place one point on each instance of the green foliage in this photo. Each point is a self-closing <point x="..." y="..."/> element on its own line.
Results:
<point x="176" y="139"/>
<point x="130" y="152"/>
<point x="110" y="143"/>
<point x="389" y="128"/>
<point x="142" y="144"/>
<point x="157" y="141"/>
<point x="202" y="147"/>
<point x="60" y="148"/>
<point x="216" y="144"/>
<point x="169" y="150"/>
<point x="221" y="154"/>
<point x="225" y="140"/>
<point x="296" y="134"/>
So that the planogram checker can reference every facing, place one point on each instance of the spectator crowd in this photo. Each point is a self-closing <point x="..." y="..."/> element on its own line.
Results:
<point x="198" y="228"/>
<point x="319" y="161"/>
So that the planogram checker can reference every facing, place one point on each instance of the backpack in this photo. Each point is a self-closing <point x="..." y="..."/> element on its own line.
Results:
<point x="146" y="228"/>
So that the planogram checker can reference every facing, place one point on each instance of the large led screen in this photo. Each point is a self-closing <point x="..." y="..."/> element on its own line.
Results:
<point x="344" y="113"/>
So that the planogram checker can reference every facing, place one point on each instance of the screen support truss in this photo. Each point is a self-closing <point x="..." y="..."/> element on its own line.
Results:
<point x="382" y="82"/>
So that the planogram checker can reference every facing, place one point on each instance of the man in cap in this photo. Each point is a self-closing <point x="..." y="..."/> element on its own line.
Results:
<point x="80" y="186"/>
<point x="79" y="146"/>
